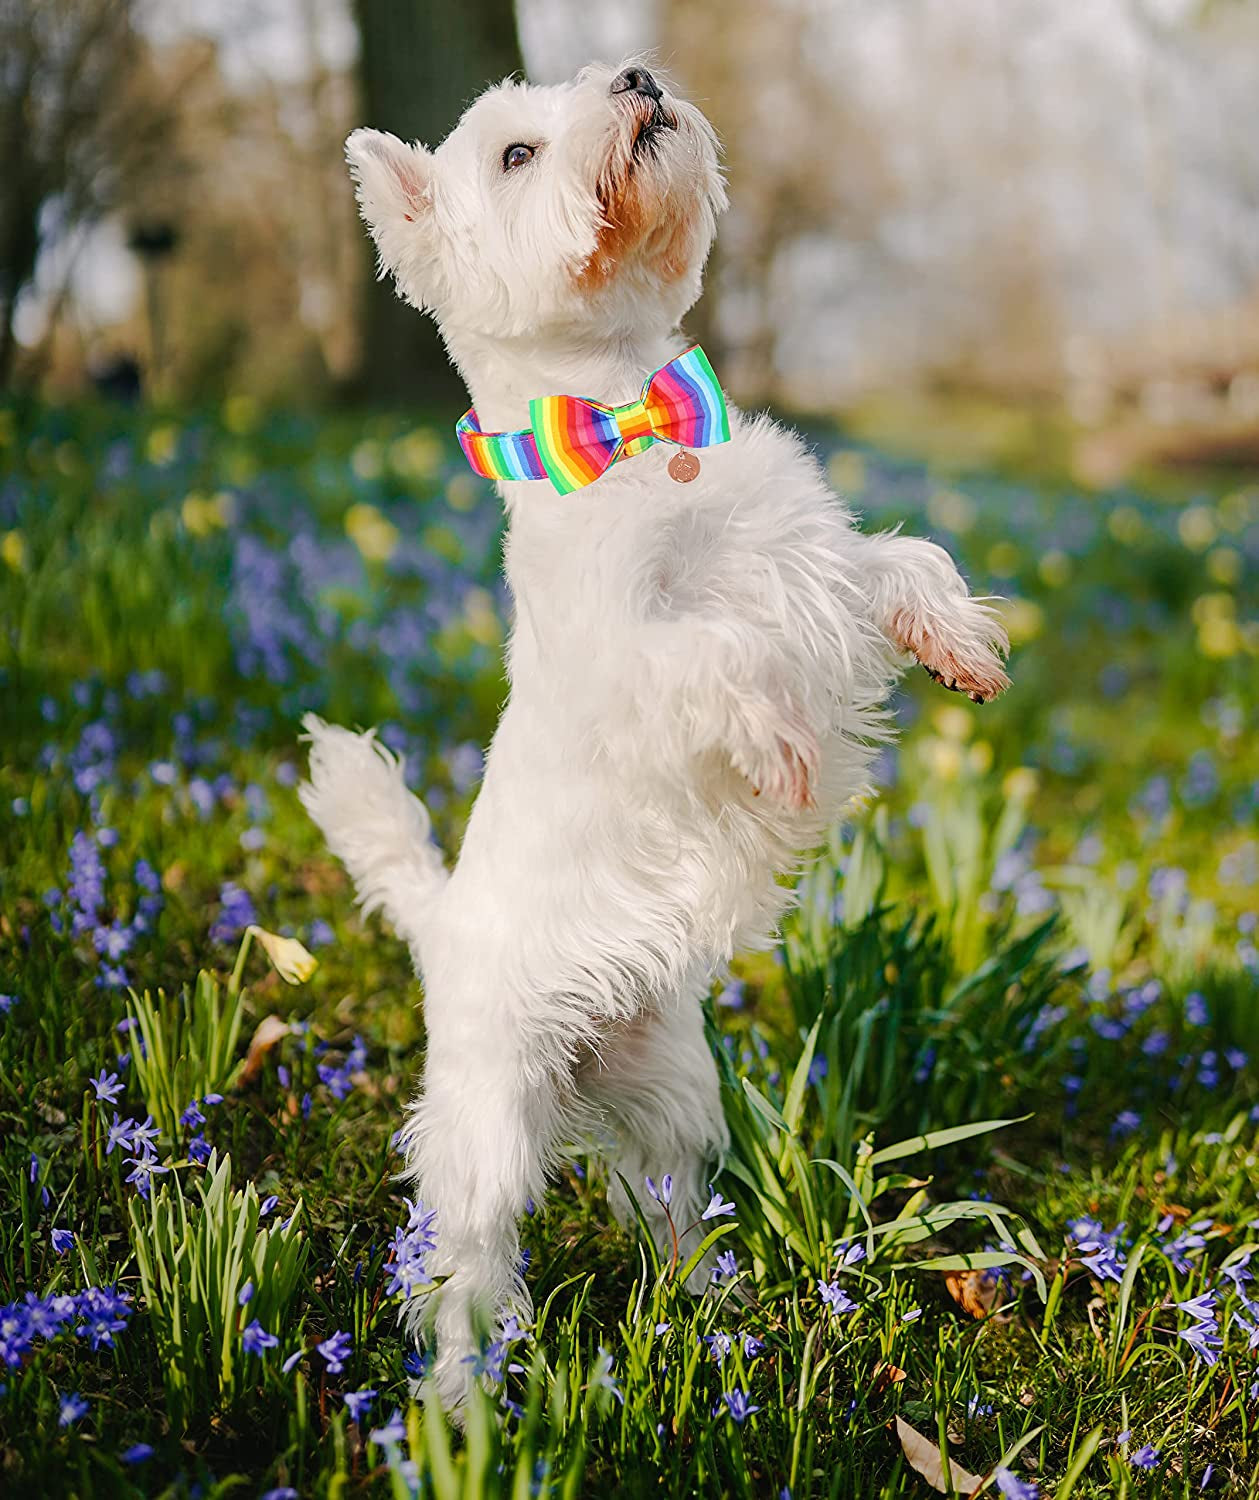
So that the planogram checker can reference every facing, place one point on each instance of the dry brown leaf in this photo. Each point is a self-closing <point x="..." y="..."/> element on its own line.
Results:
<point x="924" y="1458"/>
<point x="271" y="1029"/>
<point x="978" y="1294"/>
<point x="886" y="1374"/>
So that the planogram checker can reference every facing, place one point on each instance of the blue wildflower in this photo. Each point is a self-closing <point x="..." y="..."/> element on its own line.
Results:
<point x="256" y="1340"/>
<point x="739" y="1405"/>
<point x="717" y="1206"/>
<point x="358" y="1403"/>
<point x="107" y="1087"/>
<point x="72" y="1408"/>
<point x="336" y="1350"/>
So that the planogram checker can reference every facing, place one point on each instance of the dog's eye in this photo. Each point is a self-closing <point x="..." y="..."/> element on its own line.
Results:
<point x="517" y="156"/>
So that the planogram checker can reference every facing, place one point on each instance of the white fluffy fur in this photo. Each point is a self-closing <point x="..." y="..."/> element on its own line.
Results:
<point x="697" y="679"/>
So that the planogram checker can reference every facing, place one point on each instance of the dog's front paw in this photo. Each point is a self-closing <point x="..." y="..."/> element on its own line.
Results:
<point x="962" y="653"/>
<point x="780" y="758"/>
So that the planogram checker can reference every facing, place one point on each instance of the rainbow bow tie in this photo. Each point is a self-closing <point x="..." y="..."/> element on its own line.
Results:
<point x="572" y="441"/>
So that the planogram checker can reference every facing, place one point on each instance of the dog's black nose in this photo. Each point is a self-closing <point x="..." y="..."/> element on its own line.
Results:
<point x="636" y="81"/>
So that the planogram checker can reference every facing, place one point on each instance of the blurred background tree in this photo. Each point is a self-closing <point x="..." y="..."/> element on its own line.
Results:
<point x="980" y="208"/>
<point x="75" y="129"/>
<point x="419" y="66"/>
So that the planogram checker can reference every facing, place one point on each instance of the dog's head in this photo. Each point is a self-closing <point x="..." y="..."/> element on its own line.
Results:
<point x="549" y="209"/>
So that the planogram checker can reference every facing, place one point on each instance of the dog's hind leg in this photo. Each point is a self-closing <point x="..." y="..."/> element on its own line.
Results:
<point x="656" y="1090"/>
<point x="478" y="1143"/>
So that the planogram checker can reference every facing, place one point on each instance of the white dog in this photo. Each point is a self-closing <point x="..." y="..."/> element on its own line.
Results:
<point x="697" y="677"/>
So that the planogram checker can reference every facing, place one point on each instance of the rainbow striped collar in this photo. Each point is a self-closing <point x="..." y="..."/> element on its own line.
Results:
<point x="572" y="441"/>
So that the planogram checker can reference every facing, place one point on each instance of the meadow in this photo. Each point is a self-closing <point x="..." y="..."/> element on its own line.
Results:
<point x="988" y="1218"/>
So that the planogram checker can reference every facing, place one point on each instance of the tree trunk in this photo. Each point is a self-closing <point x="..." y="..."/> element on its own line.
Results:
<point x="421" y="63"/>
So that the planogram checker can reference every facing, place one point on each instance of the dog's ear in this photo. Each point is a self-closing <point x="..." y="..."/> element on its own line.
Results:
<point x="393" y="183"/>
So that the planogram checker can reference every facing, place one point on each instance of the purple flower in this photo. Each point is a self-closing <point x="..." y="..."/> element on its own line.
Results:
<point x="144" y="1137"/>
<point x="663" y="1194"/>
<point x="1204" y="1340"/>
<point x="87" y="883"/>
<point x="391" y="1433"/>
<point x="104" y="1312"/>
<point x="739" y="1405"/>
<point x="718" y="1345"/>
<point x="727" y="1266"/>
<point x="142" y="1175"/>
<point x="267" y="1206"/>
<point x="62" y="1240"/>
<point x="256" y="1340"/>
<point x="835" y="1297"/>
<point x="138" y="1453"/>
<point x="358" y="1402"/>
<point x="1201" y="1307"/>
<point x="1144" y="1458"/>
<point x="245" y="1295"/>
<point x="1015" y="1488"/>
<point x="237" y="913"/>
<point x="71" y="1409"/>
<point x="717" y="1207"/>
<point x="1098" y="1248"/>
<point x="7" y="1002"/>
<point x="107" y="1087"/>
<point x="336" y="1350"/>
<point x="292" y="1360"/>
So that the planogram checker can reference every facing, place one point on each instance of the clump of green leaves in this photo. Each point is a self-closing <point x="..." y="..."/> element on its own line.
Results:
<point x="195" y="1257"/>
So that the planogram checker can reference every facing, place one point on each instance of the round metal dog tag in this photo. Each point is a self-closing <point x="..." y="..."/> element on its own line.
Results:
<point x="683" y="467"/>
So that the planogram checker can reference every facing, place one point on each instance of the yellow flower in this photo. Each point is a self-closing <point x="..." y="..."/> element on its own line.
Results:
<point x="481" y="619"/>
<point x="848" y="471"/>
<point x="240" y="414"/>
<point x="1126" y="525"/>
<point x="1197" y="528"/>
<point x="951" y="510"/>
<point x="1055" y="568"/>
<point x="943" y="758"/>
<point x="1022" y="619"/>
<point x="979" y="757"/>
<point x="13" y="550"/>
<point x="293" y="963"/>
<point x="1020" y="784"/>
<point x="163" y="444"/>
<point x="1219" y="638"/>
<point x="373" y="534"/>
<point x="1003" y="559"/>
<point x="201" y="515"/>
<point x="418" y="455"/>
<point x="462" y="492"/>
<point x="953" y="722"/>
<point x="1224" y="564"/>
<point x="367" y="460"/>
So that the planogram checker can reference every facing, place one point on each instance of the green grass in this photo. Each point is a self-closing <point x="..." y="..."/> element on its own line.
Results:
<point x="1019" y="991"/>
